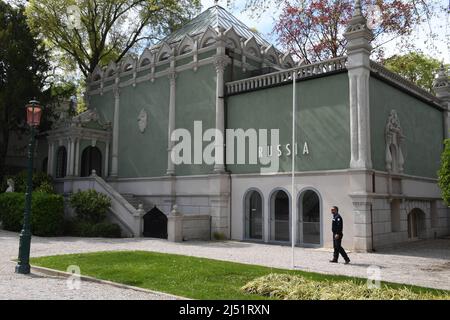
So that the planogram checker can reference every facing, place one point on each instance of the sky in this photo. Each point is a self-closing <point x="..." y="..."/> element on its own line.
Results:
<point x="264" y="24"/>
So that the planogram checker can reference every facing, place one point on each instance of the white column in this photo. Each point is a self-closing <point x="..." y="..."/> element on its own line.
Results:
<point x="220" y="63"/>
<point x="358" y="51"/>
<point x="70" y="157"/>
<point x="115" y="142"/>
<point x="441" y="86"/>
<point x="354" y="152"/>
<point x="106" y="169"/>
<point x="51" y="156"/>
<point x="363" y="115"/>
<point x="358" y="37"/>
<point x="77" y="157"/>
<point x="172" y="103"/>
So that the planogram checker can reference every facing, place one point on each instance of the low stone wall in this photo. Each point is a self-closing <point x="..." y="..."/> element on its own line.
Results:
<point x="188" y="227"/>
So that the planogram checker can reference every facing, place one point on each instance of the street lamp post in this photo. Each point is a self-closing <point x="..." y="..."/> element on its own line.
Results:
<point x="34" y="112"/>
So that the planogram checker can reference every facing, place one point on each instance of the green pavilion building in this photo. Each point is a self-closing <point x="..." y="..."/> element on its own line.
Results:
<point x="367" y="141"/>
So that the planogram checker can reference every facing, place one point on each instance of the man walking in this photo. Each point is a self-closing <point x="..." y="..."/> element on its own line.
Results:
<point x="337" y="226"/>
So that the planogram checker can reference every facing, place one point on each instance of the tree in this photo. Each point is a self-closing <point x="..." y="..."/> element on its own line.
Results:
<point x="444" y="173"/>
<point x="23" y="67"/>
<point x="313" y="30"/>
<point x="416" y="67"/>
<point x="87" y="33"/>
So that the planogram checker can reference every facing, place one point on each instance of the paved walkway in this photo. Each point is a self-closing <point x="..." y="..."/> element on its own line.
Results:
<point x="423" y="263"/>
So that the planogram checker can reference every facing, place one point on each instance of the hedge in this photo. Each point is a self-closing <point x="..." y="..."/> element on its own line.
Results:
<point x="47" y="216"/>
<point x="83" y="228"/>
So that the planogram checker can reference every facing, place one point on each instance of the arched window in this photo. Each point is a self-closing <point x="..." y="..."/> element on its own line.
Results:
<point x="91" y="159"/>
<point x="61" y="162"/>
<point x="209" y="42"/>
<point x="186" y="49"/>
<point x="164" y="56"/>
<point x="309" y="218"/>
<point x="279" y="216"/>
<point x="145" y="62"/>
<point x="253" y="215"/>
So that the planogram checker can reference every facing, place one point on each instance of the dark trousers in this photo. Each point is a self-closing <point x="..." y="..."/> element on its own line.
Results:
<point x="338" y="248"/>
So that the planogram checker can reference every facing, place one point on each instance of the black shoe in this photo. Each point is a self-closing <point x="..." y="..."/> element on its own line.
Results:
<point x="347" y="261"/>
<point x="333" y="261"/>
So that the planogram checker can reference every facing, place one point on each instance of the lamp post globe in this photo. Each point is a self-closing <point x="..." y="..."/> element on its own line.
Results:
<point x="33" y="114"/>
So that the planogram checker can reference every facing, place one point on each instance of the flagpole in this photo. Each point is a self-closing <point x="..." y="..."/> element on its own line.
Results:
<point x="293" y="213"/>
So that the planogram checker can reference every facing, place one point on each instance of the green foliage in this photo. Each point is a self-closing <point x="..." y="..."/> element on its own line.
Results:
<point x="293" y="287"/>
<point x="219" y="236"/>
<point x="12" y="207"/>
<point x="47" y="213"/>
<point x="416" y="67"/>
<point x="23" y="67"/>
<point x="41" y="181"/>
<point x="87" y="40"/>
<point x="106" y="230"/>
<point x="90" y="205"/>
<point x="444" y="173"/>
<point x="45" y="187"/>
<point x="82" y="228"/>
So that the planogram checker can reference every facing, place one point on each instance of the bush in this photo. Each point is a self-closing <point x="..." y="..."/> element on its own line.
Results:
<point x="40" y="179"/>
<point x="106" y="230"/>
<point x="45" y="187"/>
<point x="82" y="228"/>
<point x="12" y="206"/>
<point x="47" y="214"/>
<point x="90" y="205"/>
<point x="293" y="287"/>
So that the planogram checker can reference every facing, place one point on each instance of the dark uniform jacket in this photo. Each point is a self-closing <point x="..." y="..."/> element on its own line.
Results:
<point x="338" y="224"/>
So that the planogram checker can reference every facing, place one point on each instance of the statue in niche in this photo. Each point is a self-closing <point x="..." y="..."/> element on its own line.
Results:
<point x="142" y="120"/>
<point x="394" y="138"/>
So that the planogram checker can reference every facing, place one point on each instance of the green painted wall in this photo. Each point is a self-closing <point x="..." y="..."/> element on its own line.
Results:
<point x="144" y="154"/>
<point x="322" y="121"/>
<point x="195" y="101"/>
<point x="104" y="104"/>
<point x="422" y="126"/>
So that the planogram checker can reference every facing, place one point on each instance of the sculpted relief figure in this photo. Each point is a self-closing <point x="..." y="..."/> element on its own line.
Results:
<point x="142" y="120"/>
<point x="394" y="138"/>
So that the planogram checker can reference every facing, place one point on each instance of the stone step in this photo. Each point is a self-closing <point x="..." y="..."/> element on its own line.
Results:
<point x="131" y="199"/>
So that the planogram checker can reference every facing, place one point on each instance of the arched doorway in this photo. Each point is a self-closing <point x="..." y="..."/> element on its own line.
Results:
<point x="309" y="218"/>
<point x="45" y="165"/>
<point x="91" y="159"/>
<point x="279" y="216"/>
<point x="61" y="162"/>
<point x="155" y="224"/>
<point x="253" y="215"/>
<point x="416" y="224"/>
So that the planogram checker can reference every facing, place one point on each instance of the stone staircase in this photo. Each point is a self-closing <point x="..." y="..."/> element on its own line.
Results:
<point x="131" y="199"/>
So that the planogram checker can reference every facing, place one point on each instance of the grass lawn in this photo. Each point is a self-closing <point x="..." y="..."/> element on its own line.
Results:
<point x="191" y="277"/>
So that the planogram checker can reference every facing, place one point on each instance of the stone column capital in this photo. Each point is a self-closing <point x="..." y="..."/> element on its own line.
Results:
<point x="172" y="75"/>
<point x="220" y="62"/>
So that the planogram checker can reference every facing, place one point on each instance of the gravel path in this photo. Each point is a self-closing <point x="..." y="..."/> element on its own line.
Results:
<point x="423" y="263"/>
